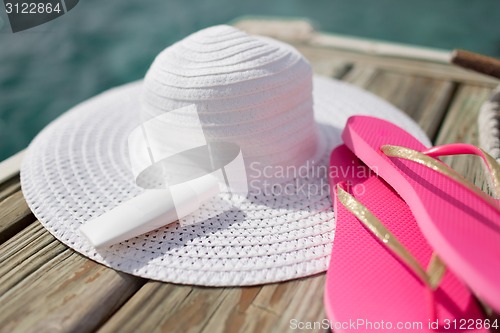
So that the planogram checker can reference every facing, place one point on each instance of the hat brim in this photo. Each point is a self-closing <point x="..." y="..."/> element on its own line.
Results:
<point x="77" y="168"/>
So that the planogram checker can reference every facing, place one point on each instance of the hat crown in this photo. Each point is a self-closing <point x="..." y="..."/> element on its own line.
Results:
<point x="252" y="91"/>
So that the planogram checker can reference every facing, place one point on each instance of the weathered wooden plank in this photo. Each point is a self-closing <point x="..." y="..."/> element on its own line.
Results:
<point x="276" y="307"/>
<point x="461" y="120"/>
<point x="155" y="300"/>
<point x="439" y="71"/>
<point x="308" y="308"/>
<point x="165" y="307"/>
<point x="259" y="320"/>
<point x="377" y="48"/>
<point x="68" y="293"/>
<point x="14" y="215"/>
<point x="9" y="187"/>
<point x="24" y="253"/>
<point x="237" y="313"/>
<point x="425" y="100"/>
<point x="249" y="309"/>
<point x="361" y="76"/>
<point x="276" y="297"/>
<point x="252" y="318"/>
<point x="331" y="68"/>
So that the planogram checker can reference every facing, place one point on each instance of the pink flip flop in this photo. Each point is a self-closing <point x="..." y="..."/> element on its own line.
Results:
<point x="459" y="221"/>
<point x="376" y="279"/>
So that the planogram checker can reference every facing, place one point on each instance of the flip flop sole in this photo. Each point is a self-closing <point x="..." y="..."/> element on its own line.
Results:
<point x="463" y="229"/>
<point x="367" y="285"/>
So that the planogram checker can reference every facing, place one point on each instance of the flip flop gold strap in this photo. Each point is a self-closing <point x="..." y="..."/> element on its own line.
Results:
<point x="436" y="165"/>
<point x="432" y="277"/>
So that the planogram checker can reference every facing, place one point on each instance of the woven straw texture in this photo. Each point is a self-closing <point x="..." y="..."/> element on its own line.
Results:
<point x="78" y="167"/>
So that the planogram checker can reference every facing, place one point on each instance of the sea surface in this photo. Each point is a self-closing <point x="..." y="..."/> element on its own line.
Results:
<point x="100" y="44"/>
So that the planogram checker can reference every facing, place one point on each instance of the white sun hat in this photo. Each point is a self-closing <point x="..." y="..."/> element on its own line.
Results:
<point x="254" y="91"/>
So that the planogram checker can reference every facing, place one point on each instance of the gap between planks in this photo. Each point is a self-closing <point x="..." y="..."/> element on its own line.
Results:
<point x="66" y="292"/>
<point x="15" y="214"/>
<point x="9" y="187"/>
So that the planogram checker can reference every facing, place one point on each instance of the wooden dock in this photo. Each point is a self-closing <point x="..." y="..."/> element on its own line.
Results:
<point x="47" y="287"/>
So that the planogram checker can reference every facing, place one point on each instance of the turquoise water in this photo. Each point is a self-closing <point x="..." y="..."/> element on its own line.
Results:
<point x="100" y="44"/>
